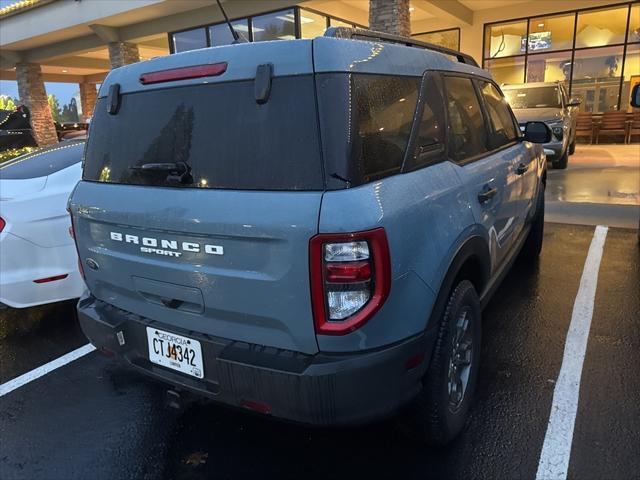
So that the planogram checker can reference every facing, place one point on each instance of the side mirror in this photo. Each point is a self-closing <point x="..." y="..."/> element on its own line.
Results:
<point x="635" y="96"/>
<point x="574" y="102"/>
<point x="537" y="132"/>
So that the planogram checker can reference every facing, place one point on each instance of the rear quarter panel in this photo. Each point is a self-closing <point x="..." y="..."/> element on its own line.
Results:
<point x="426" y="215"/>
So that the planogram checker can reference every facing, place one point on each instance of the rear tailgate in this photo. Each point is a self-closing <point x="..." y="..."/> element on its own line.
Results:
<point x="223" y="249"/>
<point x="256" y="291"/>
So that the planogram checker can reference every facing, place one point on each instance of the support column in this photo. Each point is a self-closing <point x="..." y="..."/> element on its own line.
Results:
<point x="390" y="16"/>
<point x="123" y="53"/>
<point x="88" y="99"/>
<point x="34" y="96"/>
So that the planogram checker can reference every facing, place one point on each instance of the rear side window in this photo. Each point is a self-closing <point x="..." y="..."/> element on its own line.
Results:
<point x="502" y="127"/>
<point x="384" y="110"/>
<point x="466" y="129"/>
<point x="43" y="162"/>
<point x="227" y="139"/>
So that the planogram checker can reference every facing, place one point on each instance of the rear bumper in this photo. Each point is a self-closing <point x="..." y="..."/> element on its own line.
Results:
<point x="321" y="389"/>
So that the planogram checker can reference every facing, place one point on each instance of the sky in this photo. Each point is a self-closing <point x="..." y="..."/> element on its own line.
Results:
<point x="64" y="91"/>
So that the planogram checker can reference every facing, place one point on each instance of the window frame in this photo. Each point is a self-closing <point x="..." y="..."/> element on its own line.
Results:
<point x="412" y="160"/>
<point x="249" y="19"/>
<point x="207" y="38"/>
<point x="440" y="31"/>
<point x="575" y="12"/>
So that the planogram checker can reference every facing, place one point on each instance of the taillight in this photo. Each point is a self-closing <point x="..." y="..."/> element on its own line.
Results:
<point x="51" y="279"/>
<point x="183" y="73"/>
<point x="2" y="224"/>
<point x="72" y="232"/>
<point x="350" y="279"/>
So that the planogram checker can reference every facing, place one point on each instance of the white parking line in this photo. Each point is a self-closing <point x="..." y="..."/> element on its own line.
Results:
<point x="556" y="450"/>
<point x="36" y="373"/>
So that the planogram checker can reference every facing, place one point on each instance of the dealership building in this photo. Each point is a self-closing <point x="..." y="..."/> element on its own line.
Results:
<point x="591" y="45"/>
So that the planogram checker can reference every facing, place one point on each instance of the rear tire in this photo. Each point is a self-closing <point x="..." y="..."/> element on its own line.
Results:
<point x="440" y="411"/>
<point x="572" y="147"/>
<point x="533" y="245"/>
<point x="562" y="162"/>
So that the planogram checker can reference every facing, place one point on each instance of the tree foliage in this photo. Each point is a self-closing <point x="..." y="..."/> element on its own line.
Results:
<point x="7" y="103"/>
<point x="54" y="105"/>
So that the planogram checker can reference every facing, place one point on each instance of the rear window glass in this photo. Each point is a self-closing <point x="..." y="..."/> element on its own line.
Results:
<point x="227" y="140"/>
<point x="366" y="122"/>
<point x="43" y="162"/>
<point x="385" y="106"/>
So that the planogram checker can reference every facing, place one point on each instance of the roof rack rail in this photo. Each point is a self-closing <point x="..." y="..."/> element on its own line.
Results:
<point x="363" y="34"/>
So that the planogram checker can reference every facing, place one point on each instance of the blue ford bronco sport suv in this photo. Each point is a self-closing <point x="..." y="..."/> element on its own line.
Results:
<point x="306" y="228"/>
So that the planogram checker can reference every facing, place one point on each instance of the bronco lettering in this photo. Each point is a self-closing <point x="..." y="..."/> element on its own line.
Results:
<point x="169" y="247"/>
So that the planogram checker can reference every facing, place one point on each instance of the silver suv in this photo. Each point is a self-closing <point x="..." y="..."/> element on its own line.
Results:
<point x="547" y="102"/>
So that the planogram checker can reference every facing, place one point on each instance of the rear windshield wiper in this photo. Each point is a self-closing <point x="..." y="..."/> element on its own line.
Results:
<point x="176" y="171"/>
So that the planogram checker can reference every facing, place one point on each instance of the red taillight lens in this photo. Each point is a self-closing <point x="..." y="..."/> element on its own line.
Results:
<point x="184" y="73"/>
<point x="72" y="232"/>
<point x="350" y="279"/>
<point x="51" y="279"/>
<point x="350" y="272"/>
<point x="257" y="406"/>
<point x="2" y="224"/>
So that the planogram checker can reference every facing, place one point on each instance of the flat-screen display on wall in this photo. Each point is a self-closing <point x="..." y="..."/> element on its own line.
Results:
<point x="537" y="41"/>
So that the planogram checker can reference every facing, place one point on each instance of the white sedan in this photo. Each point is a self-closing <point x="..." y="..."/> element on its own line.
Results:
<point x="38" y="259"/>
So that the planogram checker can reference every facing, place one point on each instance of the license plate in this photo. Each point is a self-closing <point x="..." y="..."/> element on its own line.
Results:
<point x="175" y="351"/>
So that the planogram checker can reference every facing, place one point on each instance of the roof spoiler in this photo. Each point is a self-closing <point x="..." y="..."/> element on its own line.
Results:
<point x="363" y="34"/>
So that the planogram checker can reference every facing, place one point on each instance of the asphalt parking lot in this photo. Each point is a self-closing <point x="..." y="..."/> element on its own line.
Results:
<point x="95" y="419"/>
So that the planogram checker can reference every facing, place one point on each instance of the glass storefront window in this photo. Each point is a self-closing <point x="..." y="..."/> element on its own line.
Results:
<point x="312" y="25"/>
<point x="551" y="33"/>
<point x="505" y="39"/>
<point x="549" y="67"/>
<point x="507" y="70"/>
<point x="189" y="40"/>
<point x="634" y="24"/>
<point x="631" y="75"/>
<point x="274" y="26"/>
<point x="601" y="27"/>
<point x="596" y="78"/>
<point x="334" y="22"/>
<point x="444" y="38"/>
<point x="221" y="35"/>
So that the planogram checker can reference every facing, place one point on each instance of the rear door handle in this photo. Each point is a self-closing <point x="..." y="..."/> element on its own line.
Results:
<point x="487" y="195"/>
<point x="523" y="167"/>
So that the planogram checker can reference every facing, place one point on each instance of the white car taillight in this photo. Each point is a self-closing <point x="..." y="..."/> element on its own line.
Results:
<point x="350" y="279"/>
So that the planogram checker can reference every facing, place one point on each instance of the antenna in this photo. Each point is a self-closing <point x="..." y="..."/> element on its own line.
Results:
<point x="236" y="37"/>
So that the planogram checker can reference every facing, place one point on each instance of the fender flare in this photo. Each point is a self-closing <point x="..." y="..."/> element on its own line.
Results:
<point x="474" y="247"/>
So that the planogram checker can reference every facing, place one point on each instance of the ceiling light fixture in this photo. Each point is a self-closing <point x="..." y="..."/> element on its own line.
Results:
<point x="64" y="70"/>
